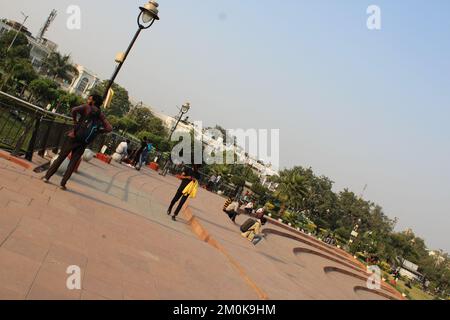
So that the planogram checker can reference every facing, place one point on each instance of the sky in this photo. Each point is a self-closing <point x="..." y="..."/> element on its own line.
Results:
<point x="363" y="107"/>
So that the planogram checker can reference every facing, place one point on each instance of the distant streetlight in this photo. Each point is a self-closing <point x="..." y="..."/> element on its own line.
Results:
<point x="183" y="110"/>
<point x="147" y="16"/>
<point x="18" y="31"/>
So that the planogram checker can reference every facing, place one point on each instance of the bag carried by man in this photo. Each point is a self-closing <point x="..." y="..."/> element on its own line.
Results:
<point x="88" y="128"/>
<point x="247" y="225"/>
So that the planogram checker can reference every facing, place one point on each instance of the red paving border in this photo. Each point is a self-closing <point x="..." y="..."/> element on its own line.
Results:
<point x="21" y="162"/>
<point x="205" y="236"/>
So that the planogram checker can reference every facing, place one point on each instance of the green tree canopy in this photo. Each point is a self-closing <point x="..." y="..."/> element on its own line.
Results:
<point x="120" y="104"/>
<point x="59" y="66"/>
<point x="43" y="91"/>
<point x="15" y="63"/>
<point x="147" y="121"/>
<point x="20" y="48"/>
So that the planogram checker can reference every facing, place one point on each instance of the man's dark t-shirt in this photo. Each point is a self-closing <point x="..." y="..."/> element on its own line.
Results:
<point x="188" y="172"/>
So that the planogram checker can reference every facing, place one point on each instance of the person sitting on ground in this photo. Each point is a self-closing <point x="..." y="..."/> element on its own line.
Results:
<point x="260" y="212"/>
<point x="122" y="150"/>
<point x="211" y="182"/>
<point x="233" y="210"/>
<point x="227" y="203"/>
<point x="249" y="207"/>
<point x="253" y="234"/>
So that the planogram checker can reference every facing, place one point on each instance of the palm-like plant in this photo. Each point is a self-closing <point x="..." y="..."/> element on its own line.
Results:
<point x="59" y="66"/>
<point x="292" y="188"/>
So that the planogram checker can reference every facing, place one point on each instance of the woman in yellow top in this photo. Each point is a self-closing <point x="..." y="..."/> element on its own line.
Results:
<point x="188" y="188"/>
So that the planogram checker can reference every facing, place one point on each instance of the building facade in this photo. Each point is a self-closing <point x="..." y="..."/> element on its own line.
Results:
<point x="83" y="83"/>
<point x="40" y="49"/>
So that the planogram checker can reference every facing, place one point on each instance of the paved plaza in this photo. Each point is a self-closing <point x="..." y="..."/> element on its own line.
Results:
<point x="112" y="223"/>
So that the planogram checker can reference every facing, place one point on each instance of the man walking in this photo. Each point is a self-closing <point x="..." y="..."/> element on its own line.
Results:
<point x="137" y="156"/>
<point x="89" y="121"/>
<point x="144" y="154"/>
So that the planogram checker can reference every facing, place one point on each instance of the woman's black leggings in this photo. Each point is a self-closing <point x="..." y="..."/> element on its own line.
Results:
<point x="177" y="197"/>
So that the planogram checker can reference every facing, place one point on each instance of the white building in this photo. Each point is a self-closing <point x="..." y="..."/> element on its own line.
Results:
<point x="40" y="48"/>
<point x="410" y="271"/>
<point x="264" y="171"/>
<point x="83" y="82"/>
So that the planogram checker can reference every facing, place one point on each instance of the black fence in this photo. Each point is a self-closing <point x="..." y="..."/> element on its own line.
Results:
<point x="26" y="129"/>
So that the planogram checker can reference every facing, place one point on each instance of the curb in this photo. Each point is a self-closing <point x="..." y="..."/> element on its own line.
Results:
<point x="23" y="163"/>
<point x="204" y="236"/>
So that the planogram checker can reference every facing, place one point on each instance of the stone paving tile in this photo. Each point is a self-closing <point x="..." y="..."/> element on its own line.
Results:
<point x="51" y="284"/>
<point x="15" y="196"/>
<point x="28" y="244"/>
<point x="6" y="294"/>
<point x="10" y="218"/>
<point x="134" y="291"/>
<point x="17" y="272"/>
<point x="86" y="295"/>
<point x="110" y="290"/>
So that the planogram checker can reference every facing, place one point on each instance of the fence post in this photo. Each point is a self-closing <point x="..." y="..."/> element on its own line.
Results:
<point x="31" y="144"/>
<point x="17" y="149"/>
<point x="47" y="134"/>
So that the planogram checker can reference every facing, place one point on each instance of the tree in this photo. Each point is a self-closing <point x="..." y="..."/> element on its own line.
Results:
<point x="15" y="64"/>
<point x="291" y="189"/>
<point x="120" y="104"/>
<point x="20" y="48"/>
<point x="43" y="91"/>
<point x="67" y="101"/>
<point x="147" y="121"/>
<point x="160" y="143"/>
<point x="127" y="124"/>
<point x="59" y="66"/>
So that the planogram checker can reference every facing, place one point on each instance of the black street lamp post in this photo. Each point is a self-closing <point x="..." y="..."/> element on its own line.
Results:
<point x="145" y="19"/>
<point x="183" y="110"/>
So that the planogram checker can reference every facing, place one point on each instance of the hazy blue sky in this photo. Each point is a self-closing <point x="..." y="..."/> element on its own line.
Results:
<point x="360" y="106"/>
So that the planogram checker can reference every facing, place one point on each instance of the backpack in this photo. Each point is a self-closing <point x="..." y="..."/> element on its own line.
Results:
<point x="247" y="225"/>
<point x="88" y="128"/>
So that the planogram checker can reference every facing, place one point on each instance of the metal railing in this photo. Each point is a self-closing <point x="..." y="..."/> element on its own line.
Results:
<point x="26" y="129"/>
